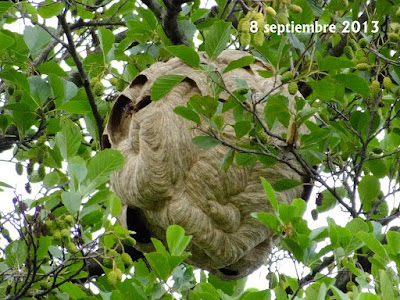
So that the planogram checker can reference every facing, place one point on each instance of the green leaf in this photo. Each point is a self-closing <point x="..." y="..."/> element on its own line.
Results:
<point x="5" y="41"/>
<point x="270" y="220"/>
<point x="43" y="249"/>
<point x="204" y="290"/>
<point x="280" y="293"/>
<point x="68" y="139"/>
<point x="354" y="83"/>
<point x="101" y="166"/>
<point x="159" y="246"/>
<point x="301" y="206"/>
<point x="5" y="122"/>
<point x="176" y="240"/>
<point x="40" y="90"/>
<point x="372" y="243"/>
<point x="217" y="39"/>
<point x="393" y="238"/>
<point x="386" y="286"/>
<point x="73" y="291"/>
<point x="36" y="39"/>
<point x="377" y="167"/>
<point x="199" y="13"/>
<point x="159" y="263"/>
<point x="270" y="194"/>
<point x="369" y="296"/>
<point x="72" y="201"/>
<point x="16" y="77"/>
<point x="53" y="126"/>
<point x="206" y="106"/>
<point x="115" y="206"/>
<point x="239" y="63"/>
<point x="130" y="289"/>
<point x="186" y="54"/>
<point x="16" y="253"/>
<point x="94" y="63"/>
<point x="265" y="74"/>
<point x="287" y="212"/>
<point x="230" y="288"/>
<point x="277" y="109"/>
<point x="324" y="89"/>
<point x="206" y="142"/>
<point x="242" y="128"/>
<point x="294" y="248"/>
<point x="357" y="225"/>
<point x="245" y="159"/>
<point x="285" y="184"/>
<point x="228" y="159"/>
<point x="187" y="113"/>
<point x="350" y="266"/>
<point x="250" y="294"/>
<point x="50" y="9"/>
<point x="333" y="63"/>
<point x="52" y="68"/>
<point x="369" y="189"/>
<point x="83" y="12"/>
<point x="76" y="107"/>
<point x="22" y="115"/>
<point x="106" y="39"/>
<point x="148" y="17"/>
<point x="4" y="6"/>
<point x="163" y="85"/>
<point x="3" y="184"/>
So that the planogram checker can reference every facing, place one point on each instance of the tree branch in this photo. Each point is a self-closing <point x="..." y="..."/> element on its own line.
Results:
<point x="168" y="18"/>
<point x="85" y="80"/>
<point x="82" y="23"/>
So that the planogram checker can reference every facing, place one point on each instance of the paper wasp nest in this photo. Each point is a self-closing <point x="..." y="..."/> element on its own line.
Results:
<point x="168" y="180"/>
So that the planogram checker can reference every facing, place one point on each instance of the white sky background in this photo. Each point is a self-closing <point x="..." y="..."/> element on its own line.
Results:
<point x="257" y="279"/>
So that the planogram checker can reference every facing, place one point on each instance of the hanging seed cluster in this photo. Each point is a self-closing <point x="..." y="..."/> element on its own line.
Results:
<point x="251" y="26"/>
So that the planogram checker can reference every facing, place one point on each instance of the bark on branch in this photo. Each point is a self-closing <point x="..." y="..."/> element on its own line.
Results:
<point x="85" y="80"/>
<point x="168" y="18"/>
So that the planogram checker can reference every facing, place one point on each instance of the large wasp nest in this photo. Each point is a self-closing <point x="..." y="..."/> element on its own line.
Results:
<point x="168" y="180"/>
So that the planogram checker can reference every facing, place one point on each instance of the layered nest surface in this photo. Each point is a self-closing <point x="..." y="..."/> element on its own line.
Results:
<point x="168" y="180"/>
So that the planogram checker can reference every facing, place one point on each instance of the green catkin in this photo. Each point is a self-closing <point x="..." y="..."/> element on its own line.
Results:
<point x="363" y="66"/>
<point x="295" y="9"/>
<point x="293" y="88"/>
<point x="258" y="38"/>
<point x="245" y="26"/>
<point x="387" y="83"/>
<point x="126" y="259"/>
<point x="114" y="81"/>
<point x="130" y="241"/>
<point x="112" y="277"/>
<point x="354" y="45"/>
<point x="394" y="37"/>
<point x="363" y="60"/>
<point x="363" y="43"/>
<point x="348" y="51"/>
<point x="375" y="88"/>
<point x="245" y="38"/>
<point x="286" y="77"/>
<point x="71" y="247"/>
<point x="270" y="11"/>
<point x="282" y="19"/>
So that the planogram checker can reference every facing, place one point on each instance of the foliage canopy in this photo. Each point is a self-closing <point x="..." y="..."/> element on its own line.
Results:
<point x="58" y="80"/>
